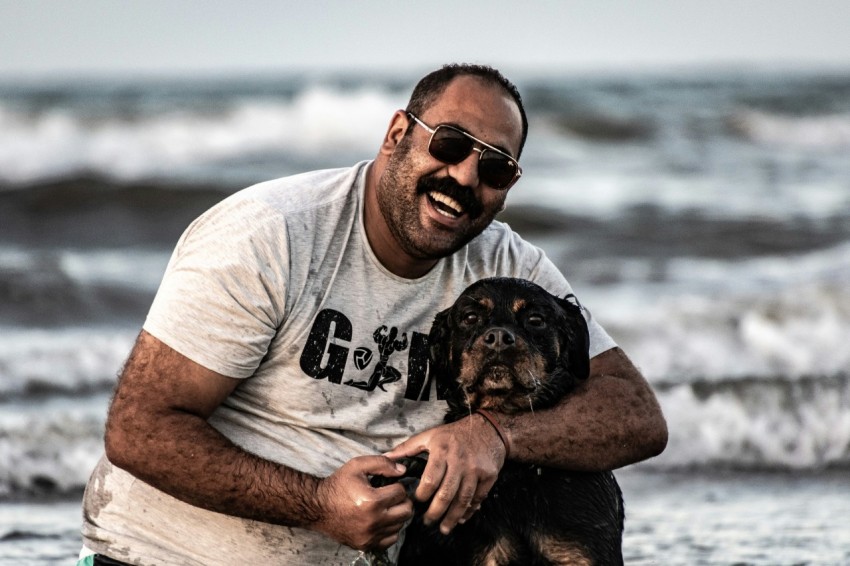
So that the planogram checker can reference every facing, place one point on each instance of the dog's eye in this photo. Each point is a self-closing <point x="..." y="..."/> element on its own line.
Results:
<point x="469" y="318"/>
<point x="536" y="321"/>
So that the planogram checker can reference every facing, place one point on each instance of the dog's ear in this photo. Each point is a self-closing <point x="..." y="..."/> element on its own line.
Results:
<point x="439" y="345"/>
<point x="575" y="338"/>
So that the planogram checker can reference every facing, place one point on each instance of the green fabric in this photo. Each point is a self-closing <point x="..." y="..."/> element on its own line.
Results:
<point x="87" y="561"/>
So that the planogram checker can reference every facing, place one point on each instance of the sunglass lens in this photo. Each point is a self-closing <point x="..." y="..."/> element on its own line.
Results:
<point x="449" y="145"/>
<point x="452" y="146"/>
<point x="496" y="170"/>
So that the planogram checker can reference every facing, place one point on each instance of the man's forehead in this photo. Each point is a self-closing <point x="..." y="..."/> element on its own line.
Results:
<point x="481" y="107"/>
<point x="469" y="92"/>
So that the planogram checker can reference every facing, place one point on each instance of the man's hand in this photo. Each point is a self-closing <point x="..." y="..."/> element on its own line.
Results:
<point x="464" y="459"/>
<point x="357" y="514"/>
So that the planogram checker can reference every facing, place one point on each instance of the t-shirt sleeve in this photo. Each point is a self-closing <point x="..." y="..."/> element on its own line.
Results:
<point x="543" y="272"/>
<point x="223" y="294"/>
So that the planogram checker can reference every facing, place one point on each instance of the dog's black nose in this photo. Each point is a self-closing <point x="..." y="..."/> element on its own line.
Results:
<point x="498" y="338"/>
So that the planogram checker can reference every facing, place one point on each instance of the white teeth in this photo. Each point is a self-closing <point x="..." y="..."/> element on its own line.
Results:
<point x="448" y="202"/>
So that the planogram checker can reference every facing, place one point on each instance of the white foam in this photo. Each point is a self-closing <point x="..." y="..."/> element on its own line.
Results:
<point x="138" y="268"/>
<point x="766" y="316"/>
<point x="66" y="359"/>
<point x="318" y="121"/>
<point x="603" y="190"/>
<point x="800" y="331"/>
<point x="58" y="441"/>
<point x="830" y="132"/>
<point x="758" y="426"/>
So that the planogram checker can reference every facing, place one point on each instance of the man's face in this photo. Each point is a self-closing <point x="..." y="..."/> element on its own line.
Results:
<point x="434" y="209"/>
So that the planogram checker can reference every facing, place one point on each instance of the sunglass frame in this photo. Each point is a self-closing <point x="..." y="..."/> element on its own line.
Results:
<point x="486" y="146"/>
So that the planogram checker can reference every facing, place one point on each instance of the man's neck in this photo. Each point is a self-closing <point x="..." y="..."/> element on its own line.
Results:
<point x="384" y="245"/>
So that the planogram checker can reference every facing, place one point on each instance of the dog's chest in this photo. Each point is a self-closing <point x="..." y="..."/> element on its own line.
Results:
<point x="535" y="496"/>
<point x="523" y="492"/>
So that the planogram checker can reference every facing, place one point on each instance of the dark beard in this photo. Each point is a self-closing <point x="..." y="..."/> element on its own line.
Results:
<point x="397" y="195"/>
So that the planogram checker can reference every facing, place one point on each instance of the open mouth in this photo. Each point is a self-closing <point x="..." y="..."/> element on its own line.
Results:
<point x="445" y="205"/>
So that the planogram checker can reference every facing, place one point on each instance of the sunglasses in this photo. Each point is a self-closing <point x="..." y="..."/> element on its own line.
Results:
<point x="451" y="145"/>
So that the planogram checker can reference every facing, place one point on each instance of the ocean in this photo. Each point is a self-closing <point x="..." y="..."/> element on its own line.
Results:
<point x="703" y="217"/>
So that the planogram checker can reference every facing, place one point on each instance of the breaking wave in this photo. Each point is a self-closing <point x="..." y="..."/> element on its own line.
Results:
<point x="316" y="123"/>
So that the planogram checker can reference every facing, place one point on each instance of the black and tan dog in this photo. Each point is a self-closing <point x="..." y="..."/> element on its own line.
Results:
<point x="508" y="346"/>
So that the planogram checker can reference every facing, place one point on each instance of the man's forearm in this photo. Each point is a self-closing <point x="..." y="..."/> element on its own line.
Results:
<point x="610" y="421"/>
<point x="186" y="458"/>
<point x="157" y="430"/>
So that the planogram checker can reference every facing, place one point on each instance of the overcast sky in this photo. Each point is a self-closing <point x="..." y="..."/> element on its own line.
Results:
<point x="45" y="38"/>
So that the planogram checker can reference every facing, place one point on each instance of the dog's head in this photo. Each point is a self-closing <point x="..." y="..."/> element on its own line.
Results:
<point x="508" y="345"/>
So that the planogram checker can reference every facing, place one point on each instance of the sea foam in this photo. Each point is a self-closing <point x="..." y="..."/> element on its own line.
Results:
<point x="317" y="122"/>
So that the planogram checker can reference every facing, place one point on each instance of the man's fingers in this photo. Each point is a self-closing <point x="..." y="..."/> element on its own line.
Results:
<point x="379" y="466"/>
<point x="394" y="517"/>
<point x="432" y="478"/>
<point x="450" y="496"/>
<point x="390" y="524"/>
<point x="480" y="495"/>
<point x="461" y="504"/>
<point x="473" y="509"/>
<point x="413" y="446"/>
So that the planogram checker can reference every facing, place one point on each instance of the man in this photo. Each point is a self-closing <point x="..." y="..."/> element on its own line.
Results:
<point x="286" y="351"/>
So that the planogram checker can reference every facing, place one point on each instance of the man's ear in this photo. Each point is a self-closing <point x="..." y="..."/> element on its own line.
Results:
<point x="395" y="132"/>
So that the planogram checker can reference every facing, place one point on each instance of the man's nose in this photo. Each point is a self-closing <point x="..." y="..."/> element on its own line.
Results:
<point x="466" y="172"/>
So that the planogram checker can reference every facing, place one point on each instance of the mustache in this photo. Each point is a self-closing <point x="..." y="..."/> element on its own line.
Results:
<point x="451" y="188"/>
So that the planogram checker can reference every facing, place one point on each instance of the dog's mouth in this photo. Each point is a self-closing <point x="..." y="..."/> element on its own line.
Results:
<point x="493" y="380"/>
<point x="498" y="387"/>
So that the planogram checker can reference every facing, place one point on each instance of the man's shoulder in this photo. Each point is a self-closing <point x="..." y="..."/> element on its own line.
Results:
<point x="308" y="179"/>
<point x="313" y="189"/>
<point x="267" y="206"/>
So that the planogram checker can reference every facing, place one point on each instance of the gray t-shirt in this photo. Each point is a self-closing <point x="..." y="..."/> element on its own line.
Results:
<point x="277" y="285"/>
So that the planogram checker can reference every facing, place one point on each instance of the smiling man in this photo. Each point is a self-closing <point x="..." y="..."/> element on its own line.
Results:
<point x="284" y="360"/>
<point x="424" y="208"/>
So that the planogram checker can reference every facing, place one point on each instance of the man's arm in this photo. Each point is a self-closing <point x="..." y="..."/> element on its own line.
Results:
<point x="157" y="430"/>
<point x="612" y="420"/>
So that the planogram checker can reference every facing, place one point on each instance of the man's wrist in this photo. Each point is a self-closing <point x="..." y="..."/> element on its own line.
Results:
<point x="504" y="435"/>
<point x="318" y="493"/>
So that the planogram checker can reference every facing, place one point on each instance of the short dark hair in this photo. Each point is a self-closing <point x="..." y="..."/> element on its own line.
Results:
<point x="432" y="85"/>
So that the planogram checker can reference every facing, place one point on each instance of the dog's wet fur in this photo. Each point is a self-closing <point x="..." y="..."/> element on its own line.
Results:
<point x="509" y="346"/>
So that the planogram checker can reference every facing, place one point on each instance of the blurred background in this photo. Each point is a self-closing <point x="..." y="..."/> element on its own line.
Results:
<point x="687" y="167"/>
